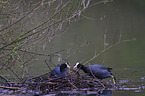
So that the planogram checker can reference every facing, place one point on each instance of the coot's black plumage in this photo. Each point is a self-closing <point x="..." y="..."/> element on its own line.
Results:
<point x="99" y="71"/>
<point x="60" y="71"/>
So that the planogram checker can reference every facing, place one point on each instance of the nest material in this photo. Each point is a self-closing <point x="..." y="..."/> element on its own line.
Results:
<point x="45" y="84"/>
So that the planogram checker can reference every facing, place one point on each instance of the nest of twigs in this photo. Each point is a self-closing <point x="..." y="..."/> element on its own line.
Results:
<point x="44" y="84"/>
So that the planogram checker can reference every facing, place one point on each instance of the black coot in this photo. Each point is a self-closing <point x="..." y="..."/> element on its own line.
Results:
<point x="99" y="71"/>
<point x="60" y="71"/>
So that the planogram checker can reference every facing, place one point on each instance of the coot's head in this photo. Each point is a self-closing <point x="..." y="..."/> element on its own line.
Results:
<point x="78" y="65"/>
<point x="63" y="66"/>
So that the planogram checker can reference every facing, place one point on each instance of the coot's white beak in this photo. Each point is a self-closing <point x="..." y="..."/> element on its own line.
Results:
<point x="67" y="65"/>
<point x="76" y="65"/>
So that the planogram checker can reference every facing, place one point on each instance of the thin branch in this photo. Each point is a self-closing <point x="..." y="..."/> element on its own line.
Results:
<point x="17" y="20"/>
<point x="96" y="78"/>
<point x="104" y="50"/>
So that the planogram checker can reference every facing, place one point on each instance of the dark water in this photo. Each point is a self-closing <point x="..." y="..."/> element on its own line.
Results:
<point x="120" y="20"/>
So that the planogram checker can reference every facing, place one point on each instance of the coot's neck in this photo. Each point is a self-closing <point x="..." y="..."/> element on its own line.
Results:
<point x="84" y="68"/>
<point x="62" y="67"/>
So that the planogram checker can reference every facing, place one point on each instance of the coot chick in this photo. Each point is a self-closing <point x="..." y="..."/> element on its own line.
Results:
<point x="60" y="71"/>
<point x="99" y="71"/>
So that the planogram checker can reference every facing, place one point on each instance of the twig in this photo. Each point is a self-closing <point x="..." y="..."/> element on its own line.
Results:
<point x="72" y="84"/>
<point x="95" y="56"/>
<point x="5" y="80"/>
<point x="11" y="88"/>
<point x="95" y="77"/>
<point x="47" y="65"/>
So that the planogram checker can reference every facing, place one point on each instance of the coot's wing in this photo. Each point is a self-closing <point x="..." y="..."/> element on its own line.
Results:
<point x="55" y="72"/>
<point x="99" y="71"/>
<point x="97" y="68"/>
<point x="100" y="67"/>
<point x="64" y="73"/>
